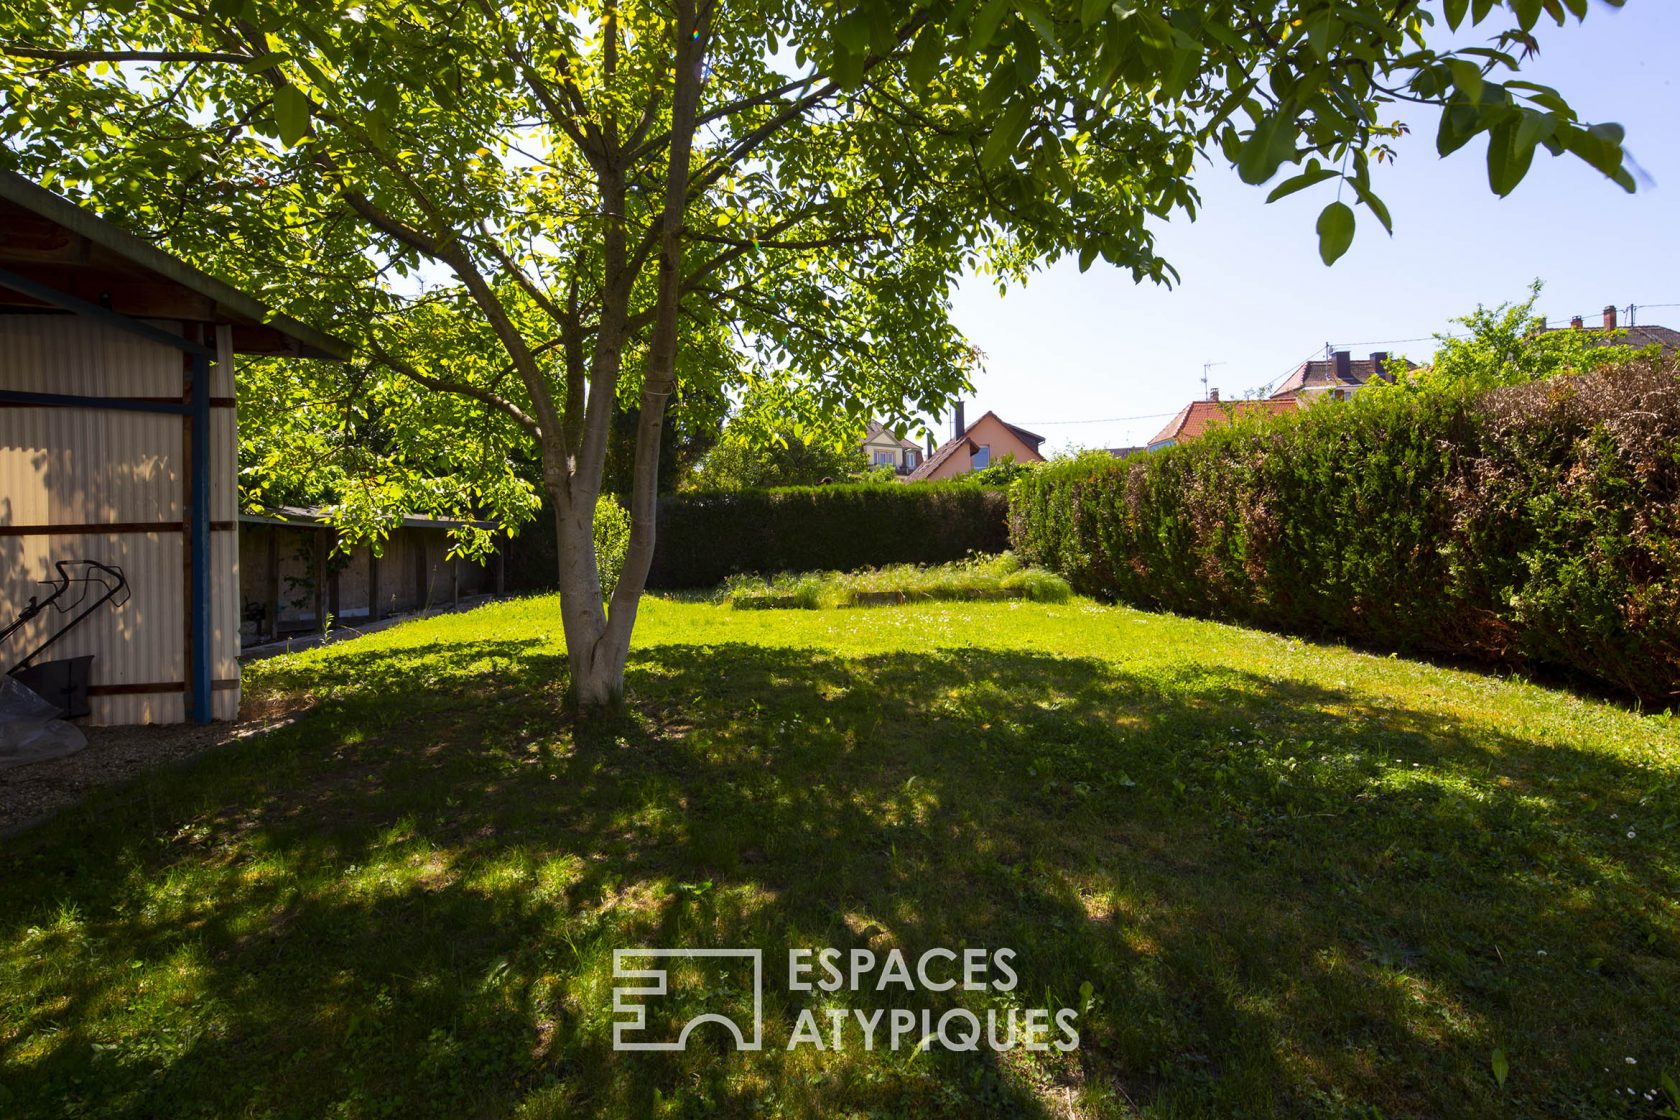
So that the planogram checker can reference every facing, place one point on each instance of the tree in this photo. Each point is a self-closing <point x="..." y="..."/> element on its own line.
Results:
<point x="740" y="462"/>
<point x="1511" y="345"/>
<point x="530" y="214"/>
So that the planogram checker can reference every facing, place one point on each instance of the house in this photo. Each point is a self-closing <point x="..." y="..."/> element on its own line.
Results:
<point x="883" y="449"/>
<point x="1198" y="416"/>
<point x="1638" y="337"/>
<point x="1339" y="377"/>
<point x="118" y="444"/>
<point x="293" y="578"/>
<point x="978" y="445"/>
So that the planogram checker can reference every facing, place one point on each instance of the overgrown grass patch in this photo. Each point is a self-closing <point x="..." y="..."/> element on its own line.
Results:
<point x="976" y="578"/>
<point x="1300" y="881"/>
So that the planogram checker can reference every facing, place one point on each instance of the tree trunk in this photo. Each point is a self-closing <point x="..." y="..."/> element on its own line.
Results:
<point x="597" y="684"/>
<point x="598" y="644"/>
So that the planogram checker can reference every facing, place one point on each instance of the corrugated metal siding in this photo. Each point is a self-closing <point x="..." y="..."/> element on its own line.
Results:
<point x="83" y="466"/>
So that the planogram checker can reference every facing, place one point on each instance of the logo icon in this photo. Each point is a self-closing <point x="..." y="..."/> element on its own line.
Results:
<point x="628" y="998"/>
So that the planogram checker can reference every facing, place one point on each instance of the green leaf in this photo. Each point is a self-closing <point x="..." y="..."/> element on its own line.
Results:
<point x="985" y="25"/>
<point x="1508" y="161"/>
<point x="1335" y="232"/>
<point x="291" y="114"/>
<point x="1006" y="134"/>
<point x="1455" y="12"/>
<point x="1459" y="122"/>
<point x="1501" y="1067"/>
<point x="1270" y="144"/>
<point x="1091" y="11"/>
<point x="925" y="55"/>
<point x="1040" y="21"/>
<point x="1308" y="178"/>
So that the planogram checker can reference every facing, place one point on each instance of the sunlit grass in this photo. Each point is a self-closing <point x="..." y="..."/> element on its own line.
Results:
<point x="1299" y="880"/>
<point x="977" y="578"/>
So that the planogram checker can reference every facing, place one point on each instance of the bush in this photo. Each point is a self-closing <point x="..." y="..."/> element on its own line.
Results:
<point x="612" y="541"/>
<point x="531" y="560"/>
<point x="979" y="577"/>
<point x="705" y="538"/>
<point x="1537" y="525"/>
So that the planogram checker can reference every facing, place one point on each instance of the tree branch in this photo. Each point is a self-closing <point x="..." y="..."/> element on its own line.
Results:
<point x="459" y="388"/>
<point x="123" y="56"/>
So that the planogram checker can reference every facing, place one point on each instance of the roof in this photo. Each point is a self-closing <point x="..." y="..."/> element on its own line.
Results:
<point x="950" y="447"/>
<point x="1198" y="416"/>
<point x="946" y="451"/>
<point x="50" y="240"/>
<point x="878" y="429"/>
<point x="1312" y="375"/>
<point x="1124" y="452"/>
<point x="1638" y="337"/>
<point x="316" y="516"/>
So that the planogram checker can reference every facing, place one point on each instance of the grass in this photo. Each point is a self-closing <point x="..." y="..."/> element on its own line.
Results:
<point x="977" y="578"/>
<point x="1298" y="881"/>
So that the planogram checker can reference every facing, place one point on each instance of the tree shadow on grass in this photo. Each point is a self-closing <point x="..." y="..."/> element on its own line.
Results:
<point x="1284" y="899"/>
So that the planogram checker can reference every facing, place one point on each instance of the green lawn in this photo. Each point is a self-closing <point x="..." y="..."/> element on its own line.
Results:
<point x="1298" y="880"/>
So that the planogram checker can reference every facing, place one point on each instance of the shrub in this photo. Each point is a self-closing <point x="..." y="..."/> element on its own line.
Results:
<point x="531" y="559"/>
<point x="612" y="541"/>
<point x="978" y="577"/>
<point x="1537" y="525"/>
<point x="704" y="538"/>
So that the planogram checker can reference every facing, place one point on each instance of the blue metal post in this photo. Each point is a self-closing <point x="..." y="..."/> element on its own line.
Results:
<point x="202" y="685"/>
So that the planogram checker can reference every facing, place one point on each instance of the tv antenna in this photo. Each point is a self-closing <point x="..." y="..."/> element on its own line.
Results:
<point x="1205" y="367"/>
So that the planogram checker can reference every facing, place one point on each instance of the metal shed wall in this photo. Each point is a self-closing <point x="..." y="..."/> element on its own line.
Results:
<point x="73" y="470"/>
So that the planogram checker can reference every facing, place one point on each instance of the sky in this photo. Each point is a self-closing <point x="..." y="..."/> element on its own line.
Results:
<point x="1095" y="360"/>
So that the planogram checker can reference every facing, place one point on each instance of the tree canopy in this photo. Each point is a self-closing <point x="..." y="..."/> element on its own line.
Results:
<point x="534" y="215"/>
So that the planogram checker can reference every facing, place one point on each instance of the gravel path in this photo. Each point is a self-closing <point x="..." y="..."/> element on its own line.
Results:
<point x="29" y="794"/>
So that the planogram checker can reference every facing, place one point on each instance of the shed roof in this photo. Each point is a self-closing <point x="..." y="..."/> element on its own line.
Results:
<point x="50" y="240"/>
<point x="305" y="517"/>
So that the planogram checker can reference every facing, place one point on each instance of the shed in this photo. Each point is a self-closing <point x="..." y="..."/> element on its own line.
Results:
<point x="118" y="443"/>
<point x="294" y="575"/>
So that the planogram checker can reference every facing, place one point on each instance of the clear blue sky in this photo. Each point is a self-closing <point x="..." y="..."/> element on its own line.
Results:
<point x="1255" y="296"/>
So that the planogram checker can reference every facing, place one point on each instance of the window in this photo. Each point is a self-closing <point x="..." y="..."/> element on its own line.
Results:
<point x="982" y="458"/>
<point x="884" y="459"/>
<point x="912" y="460"/>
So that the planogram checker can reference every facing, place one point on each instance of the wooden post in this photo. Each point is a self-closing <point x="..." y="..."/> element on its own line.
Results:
<point x="273" y="581"/>
<point x="335" y="606"/>
<point x="422" y="585"/>
<point x="320" y="558"/>
<point x="373" y="585"/>
<point x="455" y="582"/>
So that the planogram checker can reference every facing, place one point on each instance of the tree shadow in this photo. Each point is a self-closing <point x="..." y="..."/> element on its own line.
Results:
<point x="1284" y="898"/>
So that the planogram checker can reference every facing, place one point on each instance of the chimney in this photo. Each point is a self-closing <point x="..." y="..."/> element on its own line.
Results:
<point x="1379" y="366"/>
<point x="957" y="425"/>
<point x="1213" y="394"/>
<point x="1344" y="366"/>
<point x="1576" y="323"/>
<point x="1610" y="318"/>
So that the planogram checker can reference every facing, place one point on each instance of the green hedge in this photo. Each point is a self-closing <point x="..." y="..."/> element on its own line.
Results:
<point x="704" y="538"/>
<point x="1536" y="526"/>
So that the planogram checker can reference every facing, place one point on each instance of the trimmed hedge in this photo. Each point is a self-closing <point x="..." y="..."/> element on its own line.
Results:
<point x="1536" y="526"/>
<point x="704" y="538"/>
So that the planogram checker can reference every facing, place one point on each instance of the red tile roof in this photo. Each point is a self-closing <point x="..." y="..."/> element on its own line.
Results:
<point x="1198" y="416"/>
